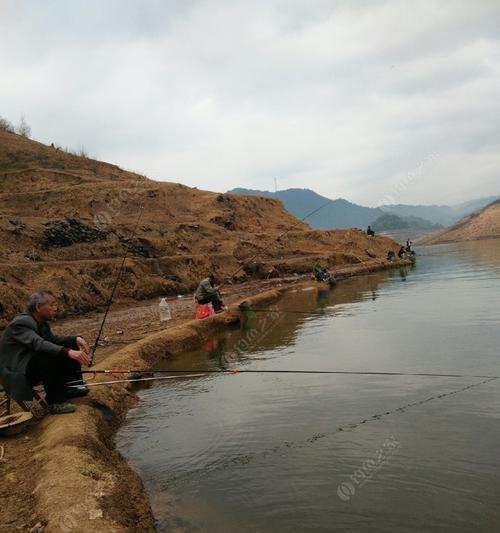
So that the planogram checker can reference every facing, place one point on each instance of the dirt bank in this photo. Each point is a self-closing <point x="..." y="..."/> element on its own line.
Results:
<point x="67" y="221"/>
<point x="483" y="224"/>
<point x="65" y="475"/>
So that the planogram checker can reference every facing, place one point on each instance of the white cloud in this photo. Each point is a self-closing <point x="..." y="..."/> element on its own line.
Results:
<point x="342" y="97"/>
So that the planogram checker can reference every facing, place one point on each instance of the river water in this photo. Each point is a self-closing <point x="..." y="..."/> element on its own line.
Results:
<point x="332" y="452"/>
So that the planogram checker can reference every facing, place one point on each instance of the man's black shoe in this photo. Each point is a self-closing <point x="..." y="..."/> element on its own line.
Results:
<point x="76" y="392"/>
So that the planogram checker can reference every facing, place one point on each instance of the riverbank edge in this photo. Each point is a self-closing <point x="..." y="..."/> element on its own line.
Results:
<point x="83" y="482"/>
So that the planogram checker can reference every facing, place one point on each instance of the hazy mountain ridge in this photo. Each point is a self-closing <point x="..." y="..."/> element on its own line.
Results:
<point x="340" y="213"/>
<point x="445" y="215"/>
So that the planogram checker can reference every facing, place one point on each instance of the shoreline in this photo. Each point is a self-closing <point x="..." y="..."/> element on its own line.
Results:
<point x="423" y="241"/>
<point x="86" y="483"/>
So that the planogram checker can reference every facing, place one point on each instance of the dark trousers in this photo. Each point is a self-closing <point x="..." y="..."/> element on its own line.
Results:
<point x="214" y="299"/>
<point x="54" y="371"/>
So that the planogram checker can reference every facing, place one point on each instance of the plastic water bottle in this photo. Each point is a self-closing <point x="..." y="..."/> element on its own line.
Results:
<point x="165" y="313"/>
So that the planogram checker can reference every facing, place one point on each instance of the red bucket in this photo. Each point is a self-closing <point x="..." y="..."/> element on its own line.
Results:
<point x="204" y="310"/>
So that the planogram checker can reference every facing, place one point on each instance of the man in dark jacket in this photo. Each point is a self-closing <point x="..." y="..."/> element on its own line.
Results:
<point x="30" y="353"/>
<point x="208" y="292"/>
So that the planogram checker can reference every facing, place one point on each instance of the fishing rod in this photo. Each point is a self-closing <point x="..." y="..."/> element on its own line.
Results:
<point x="110" y="300"/>
<point x="131" y="380"/>
<point x="111" y="296"/>
<point x="260" y="252"/>
<point x="253" y="371"/>
<point x="201" y="373"/>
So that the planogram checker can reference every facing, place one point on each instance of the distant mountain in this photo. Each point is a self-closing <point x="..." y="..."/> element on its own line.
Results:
<point x="440" y="214"/>
<point x="340" y="213"/>
<point x="337" y="213"/>
<point x="391" y="222"/>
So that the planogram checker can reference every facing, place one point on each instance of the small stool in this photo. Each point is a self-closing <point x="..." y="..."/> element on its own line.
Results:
<point x="37" y="407"/>
<point x="5" y="406"/>
<point x="12" y="423"/>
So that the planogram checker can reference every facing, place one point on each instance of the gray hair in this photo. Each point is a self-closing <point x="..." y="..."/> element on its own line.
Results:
<point x="36" y="299"/>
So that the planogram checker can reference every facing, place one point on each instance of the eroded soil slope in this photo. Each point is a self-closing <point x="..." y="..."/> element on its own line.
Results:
<point x="484" y="224"/>
<point x="66" y="221"/>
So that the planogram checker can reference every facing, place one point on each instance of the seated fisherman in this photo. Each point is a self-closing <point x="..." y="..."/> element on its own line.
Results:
<point x="318" y="272"/>
<point x="208" y="292"/>
<point x="402" y="252"/>
<point x="325" y="275"/>
<point x="30" y="353"/>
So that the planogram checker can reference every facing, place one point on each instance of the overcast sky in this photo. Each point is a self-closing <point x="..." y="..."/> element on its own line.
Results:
<point x="373" y="101"/>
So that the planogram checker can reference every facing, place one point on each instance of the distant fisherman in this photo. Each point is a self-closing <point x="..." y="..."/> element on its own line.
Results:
<point x="30" y="353"/>
<point x="370" y="232"/>
<point x="208" y="292"/>
<point x="320" y="273"/>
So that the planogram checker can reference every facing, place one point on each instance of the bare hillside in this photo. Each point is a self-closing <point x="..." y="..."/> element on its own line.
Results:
<point x="66" y="221"/>
<point x="484" y="224"/>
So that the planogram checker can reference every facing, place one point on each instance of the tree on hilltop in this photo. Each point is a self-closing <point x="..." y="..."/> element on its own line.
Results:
<point x="23" y="128"/>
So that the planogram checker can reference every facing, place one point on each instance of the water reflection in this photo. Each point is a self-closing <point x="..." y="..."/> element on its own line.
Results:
<point x="277" y="326"/>
<point x="486" y="252"/>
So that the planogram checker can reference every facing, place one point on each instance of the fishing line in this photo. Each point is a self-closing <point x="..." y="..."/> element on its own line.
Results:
<point x="260" y="252"/>
<point x="289" y="446"/>
<point x="257" y="254"/>
<point x="110" y="301"/>
<point x="235" y="371"/>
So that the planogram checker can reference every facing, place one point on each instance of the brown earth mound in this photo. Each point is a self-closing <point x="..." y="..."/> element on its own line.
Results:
<point x="484" y="224"/>
<point x="66" y="221"/>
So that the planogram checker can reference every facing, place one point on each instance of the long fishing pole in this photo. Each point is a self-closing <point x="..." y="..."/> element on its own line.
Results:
<point x="203" y="373"/>
<point x="260" y="252"/>
<point x="112" y="294"/>
<point x="253" y="371"/>
<point x="131" y="380"/>
<point x="110" y="301"/>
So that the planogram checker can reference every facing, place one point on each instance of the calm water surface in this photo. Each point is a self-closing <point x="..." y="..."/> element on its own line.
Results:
<point x="297" y="453"/>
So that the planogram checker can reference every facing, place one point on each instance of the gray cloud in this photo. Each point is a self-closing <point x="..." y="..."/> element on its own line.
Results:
<point x="348" y="98"/>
